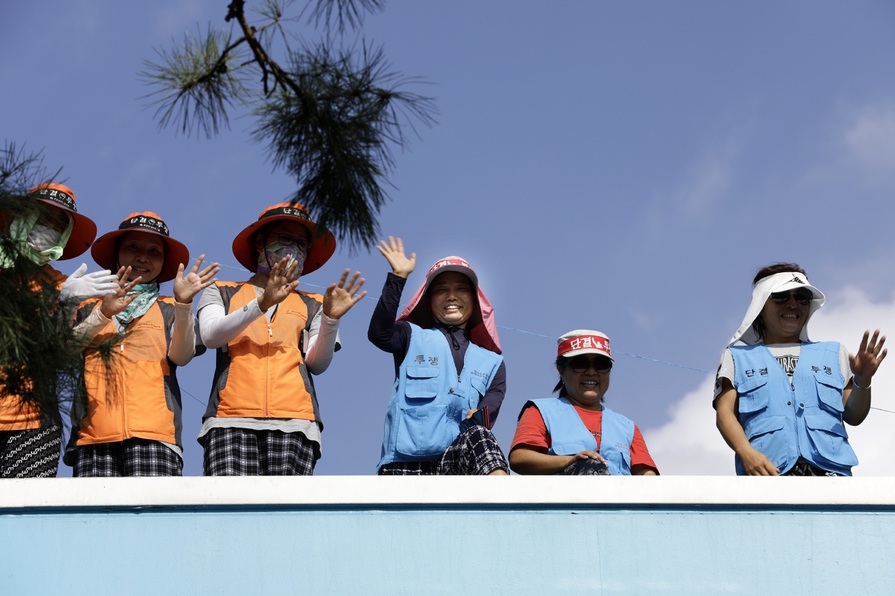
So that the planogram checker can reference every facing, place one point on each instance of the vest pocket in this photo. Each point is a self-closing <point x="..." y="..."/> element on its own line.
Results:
<point x="621" y="458"/>
<point x="422" y="382"/>
<point x="764" y="434"/>
<point x="829" y="392"/>
<point x="751" y="399"/>
<point x="830" y="440"/>
<point x="424" y="432"/>
<point x="478" y="384"/>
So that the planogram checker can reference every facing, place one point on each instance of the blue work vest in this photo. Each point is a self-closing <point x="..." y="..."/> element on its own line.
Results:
<point x="785" y="421"/>
<point x="430" y="399"/>
<point x="569" y="436"/>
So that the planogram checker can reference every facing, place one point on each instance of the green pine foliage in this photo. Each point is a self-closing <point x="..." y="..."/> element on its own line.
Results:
<point x="329" y="114"/>
<point x="41" y="359"/>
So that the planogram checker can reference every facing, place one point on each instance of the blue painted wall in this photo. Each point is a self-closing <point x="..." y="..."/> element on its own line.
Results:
<point x="445" y="543"/>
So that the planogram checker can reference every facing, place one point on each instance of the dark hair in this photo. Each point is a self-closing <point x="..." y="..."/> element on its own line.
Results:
<point x="560" y="386"/>
<point x="758" y="323"/>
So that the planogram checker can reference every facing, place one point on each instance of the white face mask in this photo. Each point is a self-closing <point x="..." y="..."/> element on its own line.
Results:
<point x="40" y="239"/>
<point x="276" y="251"/>
<point x="43" y="237"/>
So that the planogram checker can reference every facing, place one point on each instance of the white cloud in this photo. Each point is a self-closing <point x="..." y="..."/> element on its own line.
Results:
<point x="690" y="444"/>
<point x="871" y="136"/>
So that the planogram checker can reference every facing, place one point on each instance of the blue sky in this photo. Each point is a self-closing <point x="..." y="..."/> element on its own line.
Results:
<point x="616" y="166"/>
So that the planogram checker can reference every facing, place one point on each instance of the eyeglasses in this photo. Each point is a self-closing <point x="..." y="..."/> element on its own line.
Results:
<point x="802" y="297"/>
<point x="581" y="364"/>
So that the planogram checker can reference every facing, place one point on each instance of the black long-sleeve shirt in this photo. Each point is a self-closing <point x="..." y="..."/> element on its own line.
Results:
<point x="393" y="337"/>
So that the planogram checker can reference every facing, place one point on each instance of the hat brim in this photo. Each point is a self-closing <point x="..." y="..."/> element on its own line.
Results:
<point x="323" y="243"/>
<point x="468" y="272"/>
<point x="793" y="285"/>
<point x="103" y="252"/>
<point x="82" y="233"/>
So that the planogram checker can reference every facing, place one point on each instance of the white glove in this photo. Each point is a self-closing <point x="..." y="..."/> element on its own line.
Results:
<point x="79" y="287"/>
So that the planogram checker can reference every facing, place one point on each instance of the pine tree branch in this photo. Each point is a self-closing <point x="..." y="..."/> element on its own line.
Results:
<point x="328" y="116"/>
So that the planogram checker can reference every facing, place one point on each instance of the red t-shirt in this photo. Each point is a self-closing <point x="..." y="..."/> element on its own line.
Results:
<point x="532" y="433"/>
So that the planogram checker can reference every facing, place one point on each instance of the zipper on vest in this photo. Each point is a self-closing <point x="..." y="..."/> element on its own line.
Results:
<point x="267" y="373"/>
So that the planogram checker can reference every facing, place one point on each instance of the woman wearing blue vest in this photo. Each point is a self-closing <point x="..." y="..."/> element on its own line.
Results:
<point x="575" y="434"/>
<point x="449" y="376"/>
<point x="781" y="399"/>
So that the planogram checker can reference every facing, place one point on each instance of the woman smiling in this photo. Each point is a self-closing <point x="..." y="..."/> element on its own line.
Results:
<point x="132" y="423"/>
<point x="781" y="399"/>
<point x="576" y="434"/>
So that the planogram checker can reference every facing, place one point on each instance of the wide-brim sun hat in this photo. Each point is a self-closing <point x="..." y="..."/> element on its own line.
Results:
<point x="481" y="325"/>
<point x="323" y="243"/>
<point x="583" y="341"/>
<point x="83" y="229"/>
<point x="146" y="222"/>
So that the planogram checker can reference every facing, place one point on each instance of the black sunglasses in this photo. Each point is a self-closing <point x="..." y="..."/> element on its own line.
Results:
<point x="803" y="297"/>
<point x="581" y="364"/>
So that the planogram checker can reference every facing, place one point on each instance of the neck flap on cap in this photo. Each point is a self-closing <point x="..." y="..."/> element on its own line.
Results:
<point x="481" y="327"/>
<point x="779" y="282"/>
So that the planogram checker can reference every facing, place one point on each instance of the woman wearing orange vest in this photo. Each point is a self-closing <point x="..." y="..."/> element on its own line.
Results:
<point x="262" y="416"/>
<point x="29" y="445"/>
<point x="132" y="424"/>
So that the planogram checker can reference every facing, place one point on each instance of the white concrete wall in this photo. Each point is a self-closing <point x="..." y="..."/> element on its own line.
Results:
<point x="462" y="535"/>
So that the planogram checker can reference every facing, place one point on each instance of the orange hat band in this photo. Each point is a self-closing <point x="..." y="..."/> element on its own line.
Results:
<point x="56" y="196"/>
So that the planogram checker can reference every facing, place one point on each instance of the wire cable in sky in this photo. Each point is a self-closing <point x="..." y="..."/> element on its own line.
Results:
<point x="523" y="331"/>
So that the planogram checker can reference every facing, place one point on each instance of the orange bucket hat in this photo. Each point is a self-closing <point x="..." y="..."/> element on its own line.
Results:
<point x="61" y="197"/>
<point x="323" y="243"/>
<point x="147" y="222"/>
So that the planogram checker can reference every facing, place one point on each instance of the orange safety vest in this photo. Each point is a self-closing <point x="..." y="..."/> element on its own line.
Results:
<point x="138" y="395"/>
<point x="262" y="373"/>
<point x="14" y="415"/>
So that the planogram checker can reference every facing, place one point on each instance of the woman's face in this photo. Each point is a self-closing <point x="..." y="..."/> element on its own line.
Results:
<point x="144" y="253"/>
<point x="54" y="218"/>
<point x="283" y="239"/>
<point x="285" y="232"/>
<point x="586" y="379"/>
<point x="48" y="228"/>
<point x="452" y="298"/>
<point x="783" y="322"/>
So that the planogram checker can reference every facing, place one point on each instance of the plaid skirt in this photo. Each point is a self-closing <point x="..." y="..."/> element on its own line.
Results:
<point x="805" y="468"/>
<point x="133" y="457"/>
<point x="474" y="452"/>
<point x="30" y="453"/>
<point x="247" y="452"/>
